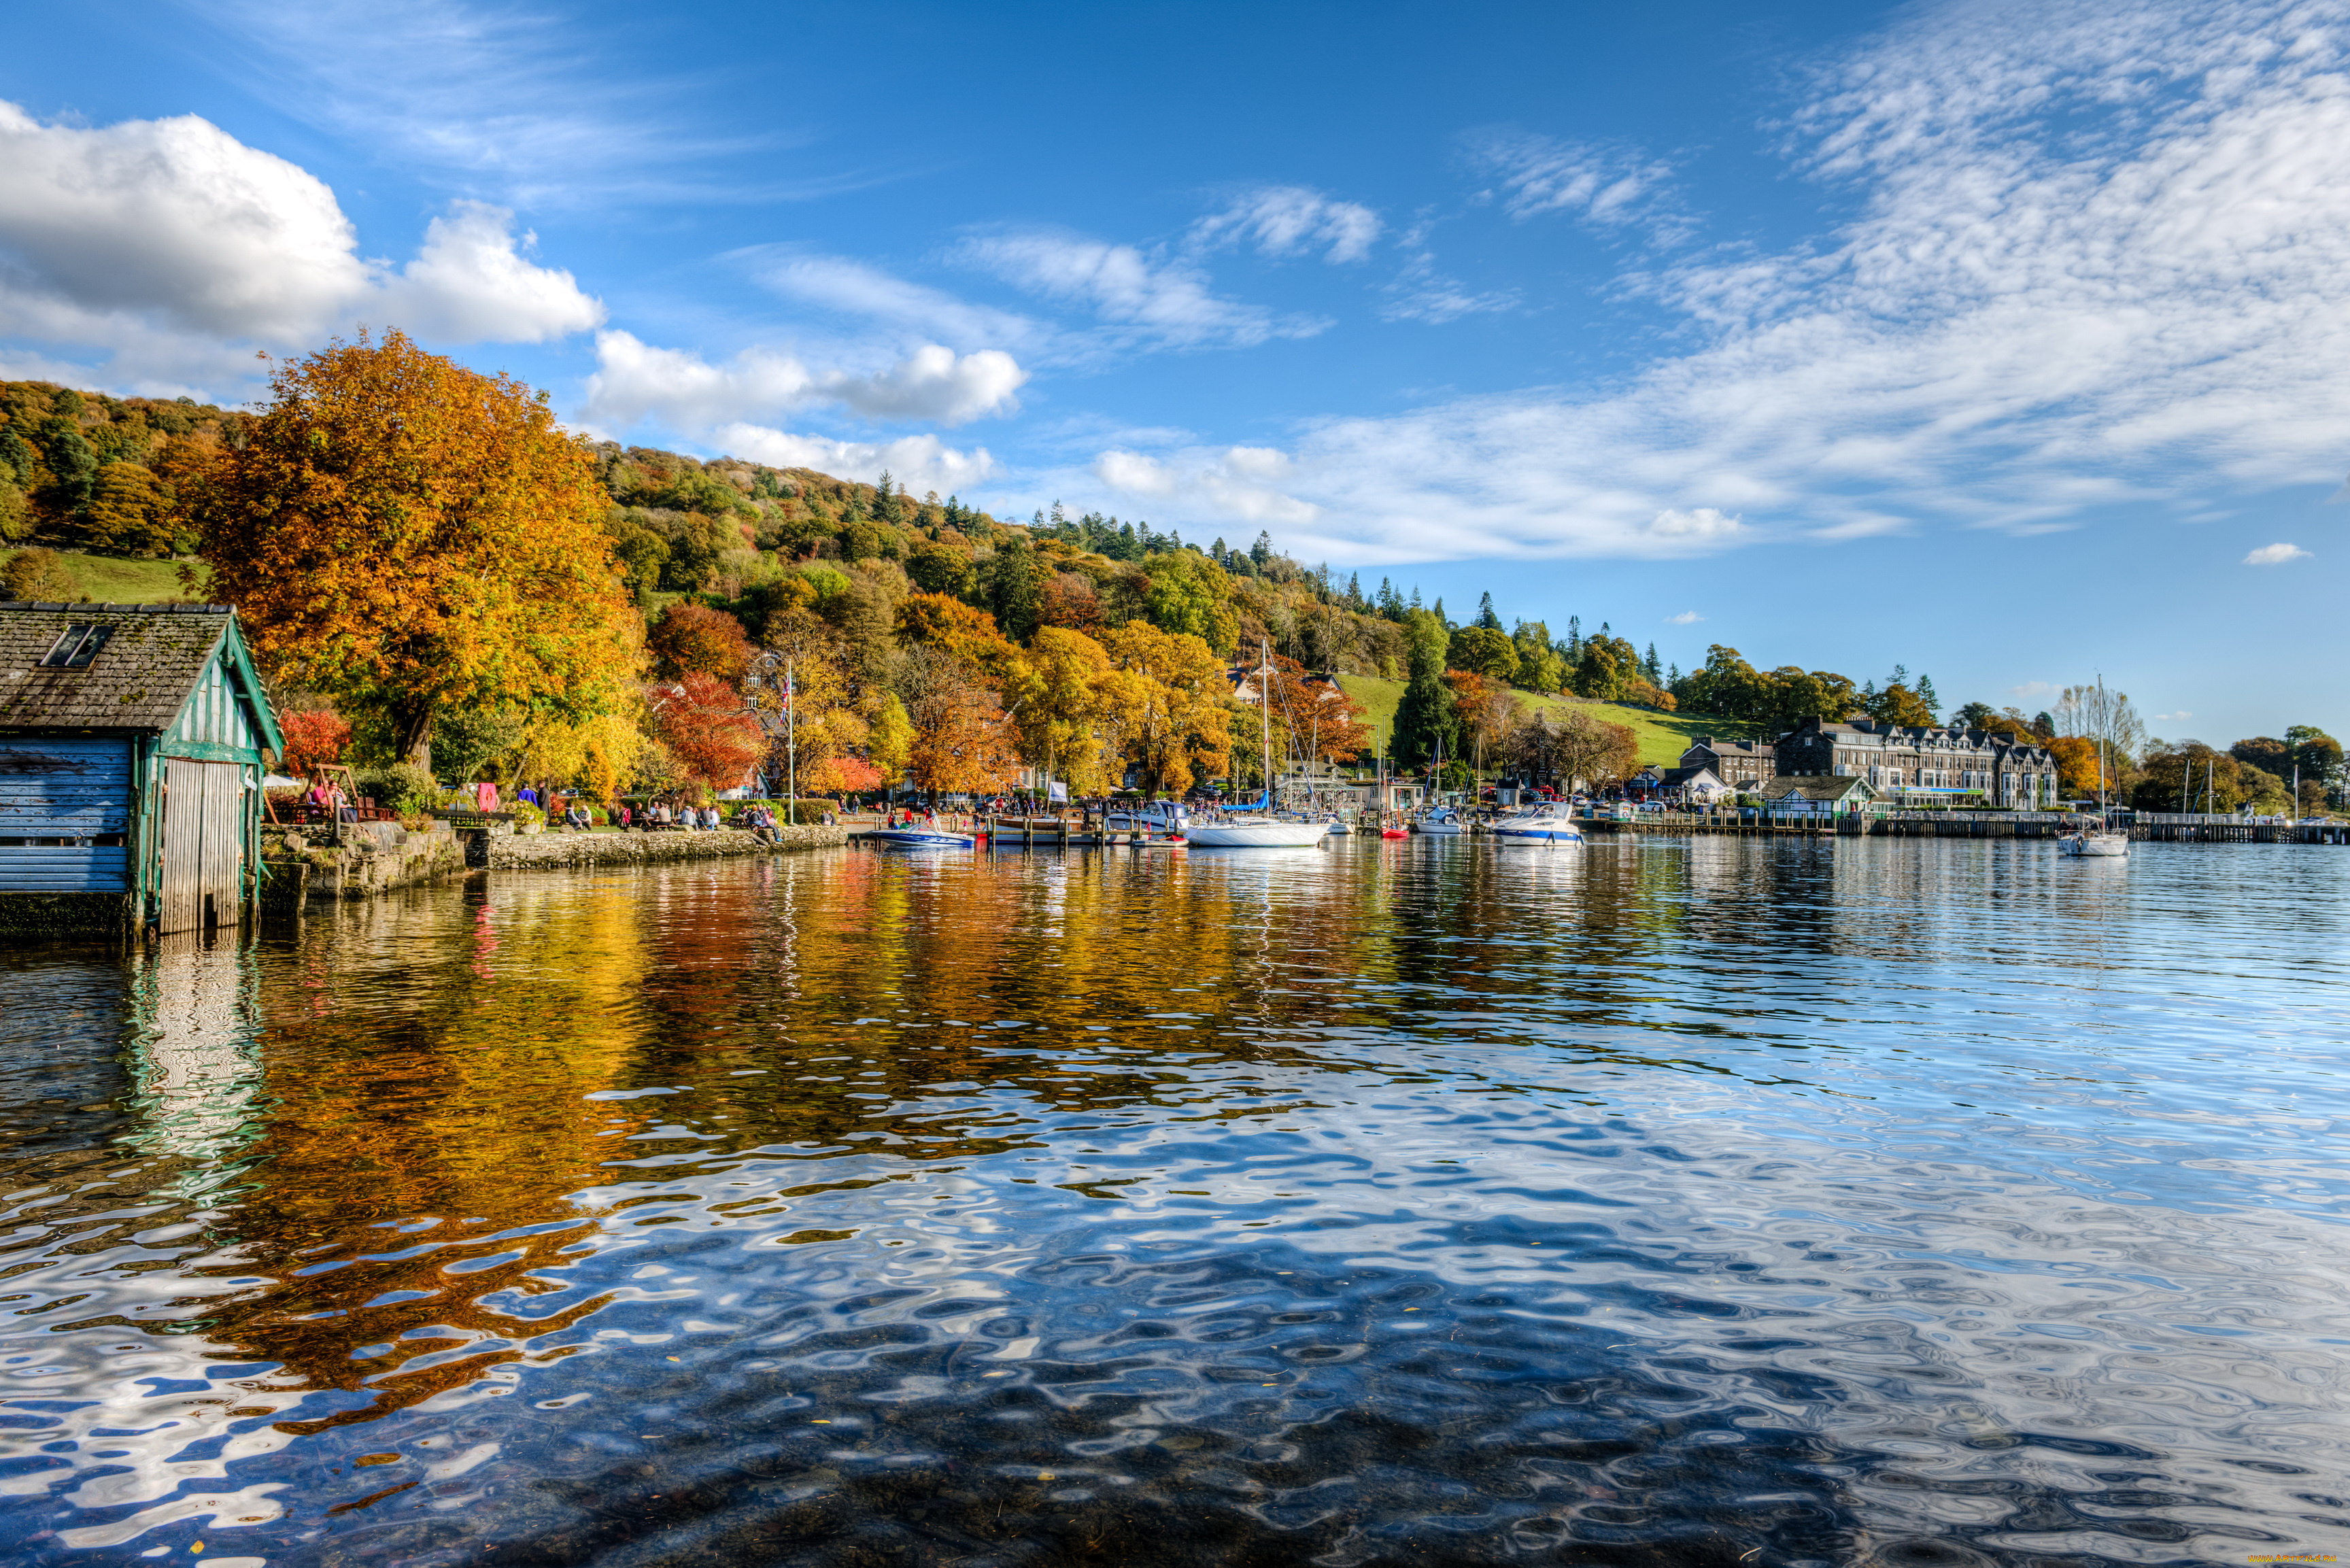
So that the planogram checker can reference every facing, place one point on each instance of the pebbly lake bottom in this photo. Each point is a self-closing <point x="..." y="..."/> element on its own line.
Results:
<point x="1662" y="1202"/>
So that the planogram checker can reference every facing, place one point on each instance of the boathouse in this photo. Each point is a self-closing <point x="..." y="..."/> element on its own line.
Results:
<point x="131" y="740"/>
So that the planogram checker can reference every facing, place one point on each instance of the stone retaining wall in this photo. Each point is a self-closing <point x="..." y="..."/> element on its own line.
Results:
<point x="553" y="851"/>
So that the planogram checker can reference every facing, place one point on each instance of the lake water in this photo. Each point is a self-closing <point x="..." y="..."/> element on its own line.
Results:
<point x="1713" y="1202"/>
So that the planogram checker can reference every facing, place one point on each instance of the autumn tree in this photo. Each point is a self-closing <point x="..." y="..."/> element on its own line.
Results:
<point x="1062" y="701"/>
<point x="1172" y="725"/>
<point x="694" y="638"/>
<point x="1314" y="718"/>
<point x="1488" y="710"/>
<point x="708" y="728"/>
<point x="961" y="741"/>
<point x="313" y="736"/>
<point x="405" y="534"/>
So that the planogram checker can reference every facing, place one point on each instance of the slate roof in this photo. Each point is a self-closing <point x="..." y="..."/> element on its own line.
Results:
<point x="1815" y="787"/>
<point x="139" y="681"/>
<point x="1687" y="775"/>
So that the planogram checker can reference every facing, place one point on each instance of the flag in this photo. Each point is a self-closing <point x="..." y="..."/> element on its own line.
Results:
<point x="1060" y="793"/>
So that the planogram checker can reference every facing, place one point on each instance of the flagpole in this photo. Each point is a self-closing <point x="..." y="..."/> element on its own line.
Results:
<point x="791" y="750"/>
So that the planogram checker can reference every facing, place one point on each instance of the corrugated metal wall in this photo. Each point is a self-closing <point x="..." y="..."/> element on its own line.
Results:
<point x="64" y="787"/>
<point x="203" y="844"/>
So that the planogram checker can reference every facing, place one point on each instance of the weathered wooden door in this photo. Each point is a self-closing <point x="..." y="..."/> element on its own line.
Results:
<point x="203" y="844"/>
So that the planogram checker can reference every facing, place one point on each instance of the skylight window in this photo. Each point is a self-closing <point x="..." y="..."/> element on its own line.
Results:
<point x="78" y="647"/>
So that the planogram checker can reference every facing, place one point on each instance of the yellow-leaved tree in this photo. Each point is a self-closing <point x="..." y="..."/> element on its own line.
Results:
<point x="1172" y="715"/>
<point x="405" y="534"/>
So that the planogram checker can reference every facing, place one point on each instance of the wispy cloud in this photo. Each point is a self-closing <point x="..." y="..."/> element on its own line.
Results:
<point x="1147" y="301"/>
<point x="1687" y="617"/>
<point x="1419" y="292"/>
<point x="863" y="290"/>
<point x="2103" y="255"/>
<point x="1289" y="220"/>
<point x="2275" y="556"/>
<point x="1609" y="186"/>
<point x="511" y="100"/>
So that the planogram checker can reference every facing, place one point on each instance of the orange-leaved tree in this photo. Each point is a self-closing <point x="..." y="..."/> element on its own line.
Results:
<point x="708" y="728"/>
<point x="694" y="637"/>
<point x="406" y="534"/>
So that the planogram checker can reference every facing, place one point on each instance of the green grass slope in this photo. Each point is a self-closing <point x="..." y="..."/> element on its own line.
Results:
<point x="1663" y="736"/>
<point x="111" y="579"/>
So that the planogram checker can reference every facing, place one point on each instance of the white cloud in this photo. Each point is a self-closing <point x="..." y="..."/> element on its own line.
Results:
<point x="1603" y="185"/>
<point x="2102" y="255"/>
<point x="2275" y="556"/>
<point x="920" y="462"/>
<point x="1163" y="303"/>
<point x="1237" y="484"/>
<point x="1704" y="525"/>
<point x="635" y="381"/>
<point x="2034" y="691"/>
<point x="2172" y="718"/>
<point x="1687" y="617"/>
<point x="169" y="241"/>
<point x="470" y="284"/>
<point x="1284" y="220"/>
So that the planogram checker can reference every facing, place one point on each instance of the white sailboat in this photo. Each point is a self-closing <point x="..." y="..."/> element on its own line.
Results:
<point x="2097" y="840"/>
<point x="1267" y="832"/>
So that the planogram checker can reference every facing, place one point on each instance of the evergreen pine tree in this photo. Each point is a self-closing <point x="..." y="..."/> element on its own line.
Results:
<point x="1926" y="695"/>
<point x="1485" y="615"/>
<point x="1574" y="639"/>
<point x="1653" y="671"/>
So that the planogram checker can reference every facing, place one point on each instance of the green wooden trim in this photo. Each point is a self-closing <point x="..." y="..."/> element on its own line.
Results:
<point x="243" y="659"/>
<point x="209" y="752"/>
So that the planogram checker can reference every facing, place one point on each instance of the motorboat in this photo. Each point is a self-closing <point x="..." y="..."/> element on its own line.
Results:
<point x="1339" y="828"/>
<point x="912" y="838"/>
<point x="1441" y="823"/>
<point x="1546" y="823"/>
<point x="1147" y="816"/>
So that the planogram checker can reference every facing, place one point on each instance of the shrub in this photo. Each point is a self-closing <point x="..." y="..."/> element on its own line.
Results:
<point x="402" y="787"/>
<point x="525" y="812"/>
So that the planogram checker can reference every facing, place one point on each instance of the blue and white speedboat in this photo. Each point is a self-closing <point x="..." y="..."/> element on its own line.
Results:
<point x="1546" y="823"/>
<point x="922" y="838"/>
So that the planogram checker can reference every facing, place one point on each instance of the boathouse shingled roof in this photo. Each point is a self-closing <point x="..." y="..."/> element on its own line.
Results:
<point x="139" y="681"/>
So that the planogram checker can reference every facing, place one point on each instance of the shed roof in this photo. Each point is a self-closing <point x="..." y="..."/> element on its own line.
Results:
<point x="139" y="681"/>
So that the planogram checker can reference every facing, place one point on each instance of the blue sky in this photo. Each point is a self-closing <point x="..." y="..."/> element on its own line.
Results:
<point x="2007" y="342"/>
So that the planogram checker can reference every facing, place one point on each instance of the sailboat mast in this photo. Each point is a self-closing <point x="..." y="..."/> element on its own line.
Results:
<point x="1264" y="702"/>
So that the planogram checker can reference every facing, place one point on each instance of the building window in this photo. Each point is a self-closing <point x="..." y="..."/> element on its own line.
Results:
<point x="78" y="647"/>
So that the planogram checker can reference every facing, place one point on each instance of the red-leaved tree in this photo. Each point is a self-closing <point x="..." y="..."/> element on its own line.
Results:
<point x="708" y="728"/>
<point x="312" y="738"/>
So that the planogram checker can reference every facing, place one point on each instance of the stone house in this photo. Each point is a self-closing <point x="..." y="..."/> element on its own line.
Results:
<point x="1734" y="763"/>
<point x="1902" y="761"/>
